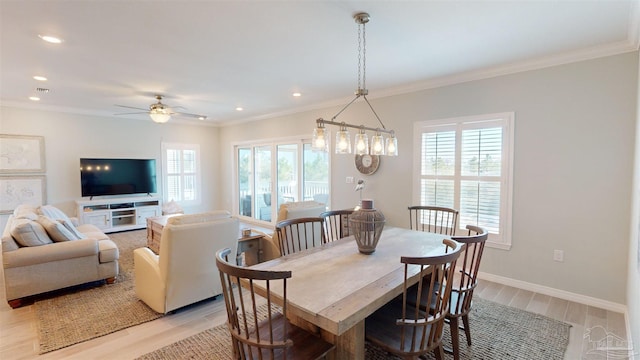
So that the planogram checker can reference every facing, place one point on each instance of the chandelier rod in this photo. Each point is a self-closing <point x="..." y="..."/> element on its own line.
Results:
<point x="320" y="121"/>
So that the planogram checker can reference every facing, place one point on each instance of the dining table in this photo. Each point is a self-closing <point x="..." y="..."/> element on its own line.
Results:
<point x="334" y="287"/>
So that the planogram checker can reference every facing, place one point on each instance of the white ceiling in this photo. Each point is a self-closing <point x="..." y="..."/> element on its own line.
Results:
<point x="213" y="56"/>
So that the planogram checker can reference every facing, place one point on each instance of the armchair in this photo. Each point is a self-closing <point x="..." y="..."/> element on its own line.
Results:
<point x="184" y="271"/>
<point x="291" y="210"/>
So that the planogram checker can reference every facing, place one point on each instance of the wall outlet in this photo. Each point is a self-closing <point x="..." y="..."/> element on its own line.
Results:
<point x="558" y="255"/>
<point x="349" y="179"/>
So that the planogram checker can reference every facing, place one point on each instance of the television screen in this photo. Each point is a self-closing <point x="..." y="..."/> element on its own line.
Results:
<point x="117" y="176"/>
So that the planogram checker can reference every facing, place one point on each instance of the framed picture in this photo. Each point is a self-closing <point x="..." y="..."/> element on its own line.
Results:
<point x="21" y="154"/>
<point x="16" y="190"/>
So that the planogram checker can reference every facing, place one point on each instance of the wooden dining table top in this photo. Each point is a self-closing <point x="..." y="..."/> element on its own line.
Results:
<point x="334" y="286"/>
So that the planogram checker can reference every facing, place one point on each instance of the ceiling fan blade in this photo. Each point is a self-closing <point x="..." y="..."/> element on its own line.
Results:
<point x="133" y="113"/>
<point x="132" y="107"/>
<point x="197" y="116"/>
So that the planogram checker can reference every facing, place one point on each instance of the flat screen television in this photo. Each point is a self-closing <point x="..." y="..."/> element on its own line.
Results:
<point x="117" y="176"/>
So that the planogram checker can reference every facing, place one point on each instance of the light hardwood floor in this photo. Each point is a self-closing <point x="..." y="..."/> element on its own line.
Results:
<point x="18" y="337"/>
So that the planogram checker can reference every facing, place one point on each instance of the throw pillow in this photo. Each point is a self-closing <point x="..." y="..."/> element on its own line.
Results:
<point x="56" y="230"/>
<point x="69" y="226"/>
<point x="53" y="212"/>
<point x="25" y="211"/>
<point x="29" y="233"/>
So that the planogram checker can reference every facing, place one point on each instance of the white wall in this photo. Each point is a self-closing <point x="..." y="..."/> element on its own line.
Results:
<point x="69" y="137"/>
<point x="633" y="273"/>
<point x="574" y="146"/>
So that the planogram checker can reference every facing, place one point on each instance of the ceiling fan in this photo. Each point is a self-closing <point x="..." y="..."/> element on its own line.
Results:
<point x="161" y="113"/>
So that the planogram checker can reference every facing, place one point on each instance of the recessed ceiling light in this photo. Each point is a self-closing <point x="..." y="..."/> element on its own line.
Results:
<point x="50" y="39"/>
<point x="34" y="98"/>
<point x="202" y="118"/>
<point x="40" y="78"/>
<point x="239" y="108"/>
<point x="296" y="94"/>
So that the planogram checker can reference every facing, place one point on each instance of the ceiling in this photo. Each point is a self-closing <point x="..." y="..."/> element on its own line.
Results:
<point x="210" y="57"/>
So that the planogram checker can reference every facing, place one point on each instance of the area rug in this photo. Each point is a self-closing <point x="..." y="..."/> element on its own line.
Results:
<point x="498" y="332"/>
<point x="85" y="313"/>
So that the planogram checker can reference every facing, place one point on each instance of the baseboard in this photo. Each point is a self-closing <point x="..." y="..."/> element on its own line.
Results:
<point x="561" y="294"/>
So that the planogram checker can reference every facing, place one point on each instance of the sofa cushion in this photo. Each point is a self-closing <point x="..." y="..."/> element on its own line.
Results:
<point x="56" y="230"/>
<point x="92" y="232"/>
<point x="29" y="233"/>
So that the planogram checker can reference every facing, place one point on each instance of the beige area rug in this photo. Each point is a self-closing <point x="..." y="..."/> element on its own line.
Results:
<point x="85" y="314"/>
<point x="497" y="331"/>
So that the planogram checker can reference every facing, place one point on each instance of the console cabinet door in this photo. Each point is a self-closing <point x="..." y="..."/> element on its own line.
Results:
<point x="101" y="219"/>
<point x="146" y="212"/>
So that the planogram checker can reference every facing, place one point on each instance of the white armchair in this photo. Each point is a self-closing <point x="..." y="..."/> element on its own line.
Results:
<point x="184" y="271"/>
<point x="291" y="210"/>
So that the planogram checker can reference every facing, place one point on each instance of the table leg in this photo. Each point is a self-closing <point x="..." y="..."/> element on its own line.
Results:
<point x="350" y="345"/>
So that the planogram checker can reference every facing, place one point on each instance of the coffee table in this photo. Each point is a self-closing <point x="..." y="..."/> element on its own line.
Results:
<point x="155" y="224"/>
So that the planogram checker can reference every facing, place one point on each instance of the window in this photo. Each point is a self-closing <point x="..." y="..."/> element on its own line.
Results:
<point x="466" y="164"/>
<point x="181" y="173"/>
<point x="270" y="174"/>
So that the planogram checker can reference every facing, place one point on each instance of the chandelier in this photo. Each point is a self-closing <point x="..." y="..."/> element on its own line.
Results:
<point x="379" y="144"/>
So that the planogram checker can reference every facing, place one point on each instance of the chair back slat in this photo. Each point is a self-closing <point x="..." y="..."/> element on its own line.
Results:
<point x="335" y="224"/>
<point x="466" y="277"/>
<point x="244" y="320"/>
<point x="299" y="234"/>
<point x="421" y="331"/>
<point x="435" y="219"/>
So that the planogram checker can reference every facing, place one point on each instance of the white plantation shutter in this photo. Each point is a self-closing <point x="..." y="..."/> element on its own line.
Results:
<point x="438" y="168"/>
<point x="181" y="173"/>
<point x="481" y="164"/>
<point x="466" y="164"/>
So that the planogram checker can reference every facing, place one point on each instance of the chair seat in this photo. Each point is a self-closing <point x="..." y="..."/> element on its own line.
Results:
<point x="455" y="295"/>
<point x="305" y="345"/>
<point x="379" y="332"/>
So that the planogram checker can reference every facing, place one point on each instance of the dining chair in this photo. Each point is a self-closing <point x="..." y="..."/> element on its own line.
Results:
<point x="259" y="332"/>
<point x="464" y="281"/>
<point x="299" y="234"/>
<point x="408" y="331"/>
<point x="335" y="224"/>
<point x="435" y="219"/>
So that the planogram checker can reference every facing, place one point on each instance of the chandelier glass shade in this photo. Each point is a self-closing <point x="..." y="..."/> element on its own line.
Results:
<point x="379" y="144"/>
<point x="343" y="141"/>
<point x="362" y="143"/>
<point x="320" y="138"/>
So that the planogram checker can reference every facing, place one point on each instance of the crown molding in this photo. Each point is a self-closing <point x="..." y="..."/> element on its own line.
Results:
<point x="621" y="47"/>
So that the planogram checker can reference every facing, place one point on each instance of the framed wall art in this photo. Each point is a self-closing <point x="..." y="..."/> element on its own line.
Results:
<point x="16" y="190"/>
<point x="21" y="154"/>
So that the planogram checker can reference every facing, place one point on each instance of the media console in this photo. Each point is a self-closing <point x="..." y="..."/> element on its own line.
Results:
<point x="118" y="214"/>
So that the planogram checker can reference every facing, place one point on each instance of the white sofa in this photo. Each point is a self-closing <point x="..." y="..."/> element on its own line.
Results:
<point x="184" y="271"/>
<point x="290" y="210"/>
<point x="44" y="250"/>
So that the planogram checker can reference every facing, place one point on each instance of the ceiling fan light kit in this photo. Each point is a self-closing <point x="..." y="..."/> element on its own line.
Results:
<point x="158" y="112"/>
<point x="379" y="145"/>
<point x="161" y="113"/>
